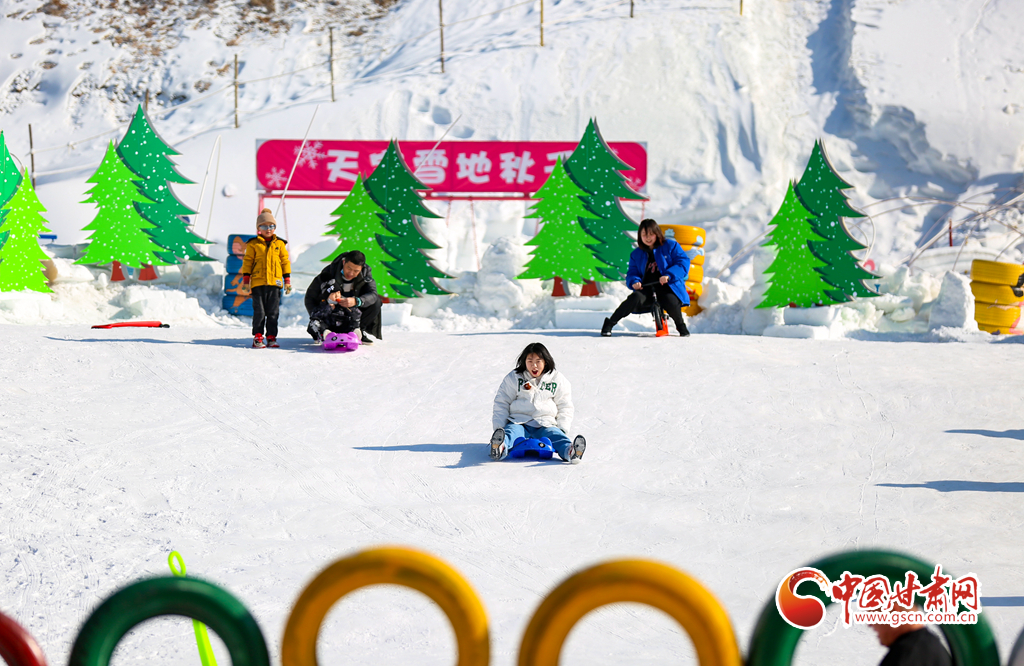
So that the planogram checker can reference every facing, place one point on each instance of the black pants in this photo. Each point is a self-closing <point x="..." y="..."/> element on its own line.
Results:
<point x="641" y="301"/>
<point x="343" y="320"/>
<point x="266" y="306"/>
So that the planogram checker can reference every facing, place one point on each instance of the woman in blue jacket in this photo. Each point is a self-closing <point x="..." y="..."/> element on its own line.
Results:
<point x="661" y="265"/>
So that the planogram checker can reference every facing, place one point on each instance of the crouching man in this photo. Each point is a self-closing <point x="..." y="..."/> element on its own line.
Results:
<point x="344" y="298"/>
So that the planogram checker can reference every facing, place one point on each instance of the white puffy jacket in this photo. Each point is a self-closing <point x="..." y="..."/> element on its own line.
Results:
<point x="546" y="400"/>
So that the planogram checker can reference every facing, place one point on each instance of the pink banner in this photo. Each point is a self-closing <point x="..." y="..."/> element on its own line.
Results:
<point x="462" y="167"/>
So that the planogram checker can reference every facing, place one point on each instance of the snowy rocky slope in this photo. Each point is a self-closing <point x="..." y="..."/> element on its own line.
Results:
<point x="916" y="99"/>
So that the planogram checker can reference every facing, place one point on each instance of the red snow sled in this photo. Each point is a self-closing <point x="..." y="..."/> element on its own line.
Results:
<point x="134" y="324"/>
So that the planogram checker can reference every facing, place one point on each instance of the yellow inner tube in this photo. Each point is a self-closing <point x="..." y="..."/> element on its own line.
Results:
<point x="996" y="272"/>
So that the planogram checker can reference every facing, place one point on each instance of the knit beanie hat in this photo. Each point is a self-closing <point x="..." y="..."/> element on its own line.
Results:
<point x="266" y="217"/>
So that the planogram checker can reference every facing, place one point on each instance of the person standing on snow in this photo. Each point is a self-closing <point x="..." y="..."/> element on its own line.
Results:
<point x="266" y="270"/>
<point x="343" y="298"/>
<point x="534" y="401"/>
<point x="658" y="266"/>
<point x="911" y="644"/>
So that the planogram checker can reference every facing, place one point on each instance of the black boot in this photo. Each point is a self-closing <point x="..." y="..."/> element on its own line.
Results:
<point x="606" y="328"/>
<point x="683" y="331"/>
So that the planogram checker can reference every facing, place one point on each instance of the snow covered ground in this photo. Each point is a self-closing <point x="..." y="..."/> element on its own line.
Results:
<point x="734" y="458"/>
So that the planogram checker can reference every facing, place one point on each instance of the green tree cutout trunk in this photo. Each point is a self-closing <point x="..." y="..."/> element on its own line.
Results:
<point x="395" y="189"/>
<point x="821" y="191"/>
<point x="596" y="169"/>
<point x="10" y="178"/>
<point x="147" y="155"/>
<point x="119" y="232"/>
<point x="563" y="247"/>
<point x="21" y="257"/>
<point x="359" y="225"/>
<point x="794" y="278"/>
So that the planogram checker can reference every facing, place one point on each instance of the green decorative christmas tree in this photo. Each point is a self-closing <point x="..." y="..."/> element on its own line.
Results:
<point x="9" y="181"/>
<point x="563" y="246"/>
<point x="147" y="155"/>
<point x="795" y="278"/>
<point x="21" y="257"/>
<point x="119" y="232"/>
<point x="394" y="188"/>
<point x="820" y="191"/>
<point x="596" y="169"/>
<point x="359" y="225"/>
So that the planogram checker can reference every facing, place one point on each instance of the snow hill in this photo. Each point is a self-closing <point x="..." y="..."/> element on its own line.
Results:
<point x="916" y="100"/>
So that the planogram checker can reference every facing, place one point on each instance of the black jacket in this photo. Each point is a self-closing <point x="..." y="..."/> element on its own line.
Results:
<point x="917" y="648"/>
<point x="363" y="287"/>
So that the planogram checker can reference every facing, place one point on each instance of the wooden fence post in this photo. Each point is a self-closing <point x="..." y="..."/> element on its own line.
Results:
<point x="440" y="15"/>
<point x="542" y="22"/>
<point x="332" y="62"/>
<point x="31" y="156"/>
<point x="236" y="91"/>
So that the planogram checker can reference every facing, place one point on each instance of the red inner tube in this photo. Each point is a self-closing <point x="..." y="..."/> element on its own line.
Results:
<point x="17" y="647"/>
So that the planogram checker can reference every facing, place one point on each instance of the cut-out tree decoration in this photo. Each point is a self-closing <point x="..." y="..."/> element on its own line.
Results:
<point x="21" y="257"/>
<point x="821" y="192"/>
<point x="793" y="276"/>
<point x="119" y="232"/>
<point x="563" y="247"/>
<point x="359" y="225"/>
<point x="147" y="155"/>
<point x="596" y="169"/>
<point x="10" y="178"/>
<point x="394" y="188"/>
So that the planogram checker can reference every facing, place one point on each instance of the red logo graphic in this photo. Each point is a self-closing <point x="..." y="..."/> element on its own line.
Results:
<point x="801" y="611"/>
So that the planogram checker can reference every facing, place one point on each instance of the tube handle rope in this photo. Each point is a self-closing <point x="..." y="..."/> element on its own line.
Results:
<point x="202" y="635"/>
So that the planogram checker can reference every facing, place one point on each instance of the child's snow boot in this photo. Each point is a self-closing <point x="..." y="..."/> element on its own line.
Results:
<point x="606" y="328"/>
<point x="257" y="342"/>
<point x="498" y="449"/>
<point x="272" y="341"/>
<point x="576" y="449"/>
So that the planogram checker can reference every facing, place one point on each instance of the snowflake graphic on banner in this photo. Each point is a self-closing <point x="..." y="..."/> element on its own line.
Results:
<point x="311" y="155"/>
<point x="275" y="177"/>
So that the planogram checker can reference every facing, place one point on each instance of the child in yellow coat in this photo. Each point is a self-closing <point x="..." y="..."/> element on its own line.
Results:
<point x="266" y="269"/>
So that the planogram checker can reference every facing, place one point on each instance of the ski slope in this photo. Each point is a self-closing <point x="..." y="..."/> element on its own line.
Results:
<point x="733" y="458"/>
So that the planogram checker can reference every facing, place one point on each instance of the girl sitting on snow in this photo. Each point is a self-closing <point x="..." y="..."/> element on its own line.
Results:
<point x="535" y="401"/>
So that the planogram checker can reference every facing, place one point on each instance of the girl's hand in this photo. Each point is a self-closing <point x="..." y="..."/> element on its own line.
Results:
<point x="663" y="279"/>
<point x="637" y="286"/>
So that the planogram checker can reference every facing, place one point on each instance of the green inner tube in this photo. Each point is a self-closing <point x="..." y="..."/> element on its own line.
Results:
<point x="774" y="640"/>
<point x="191" y="597"/>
